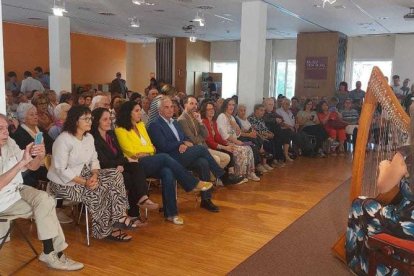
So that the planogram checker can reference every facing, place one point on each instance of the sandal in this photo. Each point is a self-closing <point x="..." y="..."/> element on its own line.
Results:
<point x="148" y="204"/>
<point x="126" y="226"/>
<point x="121" y="237"/>
<point x="139" y="222"/>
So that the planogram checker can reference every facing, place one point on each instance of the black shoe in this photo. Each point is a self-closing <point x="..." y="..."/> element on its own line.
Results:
<point x="232" y="179"/>
<point x="209" y="205"/>
<point x="258" y="173"/>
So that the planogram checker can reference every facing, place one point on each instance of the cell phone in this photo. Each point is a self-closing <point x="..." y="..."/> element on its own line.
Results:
<point x="38" y="138"/>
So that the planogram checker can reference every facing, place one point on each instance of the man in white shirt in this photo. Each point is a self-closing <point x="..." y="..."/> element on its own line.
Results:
<point x="29" y="84"/>
<point x="18" y="200"/>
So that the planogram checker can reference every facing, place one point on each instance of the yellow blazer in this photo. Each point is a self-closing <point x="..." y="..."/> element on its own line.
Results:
<point x="131" y="143"/>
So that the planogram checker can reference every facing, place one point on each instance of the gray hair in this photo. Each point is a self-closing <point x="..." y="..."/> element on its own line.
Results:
<point x="22" y="110"/>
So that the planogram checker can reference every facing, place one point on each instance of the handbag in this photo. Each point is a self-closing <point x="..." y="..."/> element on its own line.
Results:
<point x="337" y="124"/>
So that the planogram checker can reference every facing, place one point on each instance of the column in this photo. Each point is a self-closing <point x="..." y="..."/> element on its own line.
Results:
<point x="2" y="80"/>
<point x="59" y="54"/>
<point x="252" y="53"/>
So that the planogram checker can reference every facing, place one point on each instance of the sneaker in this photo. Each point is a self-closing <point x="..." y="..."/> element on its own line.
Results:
<point x="267" y="167"/>
<point x="202" y="186"/>
<point x="232" y="179"/>
<point x="261" y="169"/>
<point x="253" y="176"/>
<point x="62" y="217"/>
<point x="177" y="220"/>
<point x="53" y="261"/>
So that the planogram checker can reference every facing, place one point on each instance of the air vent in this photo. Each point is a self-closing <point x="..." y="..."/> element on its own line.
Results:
<point x="205" y="7"/>
<point x="34" y="18"/>
<point x="84" y="9"/>
<point x="106" y="13"/>
<point x="159" y="10"/>
<point x="189" y="28"/>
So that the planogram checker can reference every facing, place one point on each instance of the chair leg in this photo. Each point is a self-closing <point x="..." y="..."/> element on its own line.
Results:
<point x="4" y="238"/>
<point x="87" y="225"/>
<point x="80" y="213"/>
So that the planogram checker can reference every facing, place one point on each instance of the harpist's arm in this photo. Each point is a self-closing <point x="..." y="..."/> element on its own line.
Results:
<point x="391" y="173"/>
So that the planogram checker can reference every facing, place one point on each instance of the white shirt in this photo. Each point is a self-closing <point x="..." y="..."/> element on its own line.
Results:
<point x="30" y="84"/>
<point x="225" y="128"/>
<point x="11" y="154"/>
<point x="69" y="155"/>
<point x="288" y="116"/>
<point x="245" y="124"/>
<point x="171" y="125"/>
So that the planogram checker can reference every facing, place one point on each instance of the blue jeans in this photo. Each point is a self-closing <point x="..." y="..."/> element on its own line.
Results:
<point x="163" y="166"/>
<point x="198" y="158"/>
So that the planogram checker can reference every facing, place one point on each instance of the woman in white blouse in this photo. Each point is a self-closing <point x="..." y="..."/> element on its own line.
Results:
<point x="75" y="175"/>
<point x="230" y="131"/>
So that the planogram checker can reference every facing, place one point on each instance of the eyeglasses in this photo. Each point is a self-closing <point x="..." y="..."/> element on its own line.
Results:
<point x="86" y="119"/>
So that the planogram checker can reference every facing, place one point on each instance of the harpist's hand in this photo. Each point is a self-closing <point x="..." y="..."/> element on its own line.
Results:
<point x="383" y="167"/>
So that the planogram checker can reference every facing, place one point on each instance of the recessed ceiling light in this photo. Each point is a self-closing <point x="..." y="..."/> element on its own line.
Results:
<point x="205" y="7"/>
<point x="383" y="18"/>
<point x="106" y="13"/>
<point x="159" y="10"/>
<point x="317" y="6"/>
<point x="142" y="3"/>
<point x="339" y="7"/>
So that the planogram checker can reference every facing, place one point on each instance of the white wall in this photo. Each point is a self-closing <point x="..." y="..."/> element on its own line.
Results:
<point x="404" y="57"/>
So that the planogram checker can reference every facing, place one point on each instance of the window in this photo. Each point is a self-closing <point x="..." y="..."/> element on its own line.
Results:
<point x="229" y="82"/>
<point x="361" y="71"/>
<point x="285" y="78"/>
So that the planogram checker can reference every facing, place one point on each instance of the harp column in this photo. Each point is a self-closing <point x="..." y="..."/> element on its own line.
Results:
<point x="252" y="53"/>
<point x="59" y="54"/>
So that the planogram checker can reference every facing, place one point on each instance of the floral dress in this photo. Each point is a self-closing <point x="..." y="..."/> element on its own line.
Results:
<point x="368" y="217"/>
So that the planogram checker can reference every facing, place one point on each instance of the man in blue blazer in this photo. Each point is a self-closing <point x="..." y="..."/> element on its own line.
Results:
<point x="168" y="137"/>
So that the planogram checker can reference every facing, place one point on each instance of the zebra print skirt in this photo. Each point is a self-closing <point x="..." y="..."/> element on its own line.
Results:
<point x="106" y="204"/>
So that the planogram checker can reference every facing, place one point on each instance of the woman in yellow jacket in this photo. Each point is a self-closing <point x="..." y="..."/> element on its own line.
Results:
<point x="136" y="145"/>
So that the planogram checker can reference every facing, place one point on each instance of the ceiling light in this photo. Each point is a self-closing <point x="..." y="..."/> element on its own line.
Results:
<point x="58" y="7"/>
<point x="410" y="15"/>
<point x="200" y="19"/>
<point x="134" y="22"/>
<point x="142" y="3"/>
<point x="329" y="1"/>
<point x="193" y="39"/>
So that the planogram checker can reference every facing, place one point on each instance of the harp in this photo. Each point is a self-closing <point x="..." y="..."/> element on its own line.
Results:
<point x="383" y="127"/>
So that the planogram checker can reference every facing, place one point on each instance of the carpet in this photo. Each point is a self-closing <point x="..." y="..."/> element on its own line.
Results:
<point x="304" y="248"/>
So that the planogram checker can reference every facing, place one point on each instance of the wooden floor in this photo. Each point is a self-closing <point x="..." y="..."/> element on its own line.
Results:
<point x="209" y="243"/>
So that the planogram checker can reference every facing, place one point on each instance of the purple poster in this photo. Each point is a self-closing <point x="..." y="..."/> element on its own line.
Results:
<point x="316" y="68"/>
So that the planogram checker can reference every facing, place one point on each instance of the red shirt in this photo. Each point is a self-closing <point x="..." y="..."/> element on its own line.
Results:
<point x="214" y="138"/>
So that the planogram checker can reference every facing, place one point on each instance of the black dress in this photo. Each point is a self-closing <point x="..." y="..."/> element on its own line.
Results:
<point x="134" y="175"/>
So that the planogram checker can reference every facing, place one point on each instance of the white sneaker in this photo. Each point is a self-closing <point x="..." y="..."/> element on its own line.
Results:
<point x="62" y="217"/>
<point x="64" y="263"/>
<point x="261" y="169"/>
<point x="267" y="167"/>
<point x="253" y="176"/>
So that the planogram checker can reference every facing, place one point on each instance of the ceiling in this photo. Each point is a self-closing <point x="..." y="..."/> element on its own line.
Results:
<point x="167" y="18"/>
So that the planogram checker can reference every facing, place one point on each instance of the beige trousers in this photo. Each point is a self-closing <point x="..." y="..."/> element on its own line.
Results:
<point x="43" y="208"/>
<point x="221" y="158"/>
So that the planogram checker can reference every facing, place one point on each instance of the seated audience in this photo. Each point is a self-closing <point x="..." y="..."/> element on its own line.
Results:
<point x="61" y="112"/>
<point x="177" y="109"/>
<point x="193" y="127"/>
<point x="66" y="97"/>
<point x="350" y="116"/>
<point x="110" y="156"/>
<point x="309" y="123"/>
<point x="18" y="199"/>
<point x="334" y="126"/>
<point x="100" y="101"/>
<point x="75" y="175"/>
<point x="52" y="101"/>
<point x="357" y="96"/>
<point x="168" y="137"/>
<point x="43" y="78"/>
<point x="136" y="145"/>
<point x="282" y="138"/>
<point x="12" y="83"/>
<point x="25" y="134"/>
<point x="46" y="120"/>
<point x="249" y="134"/>
<point x="342" y="94"/>
<point x="145" y="105"/>
<point x="288" y="125"/>
<point x="294" y="106"/>
<point x="230" y="132"/>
